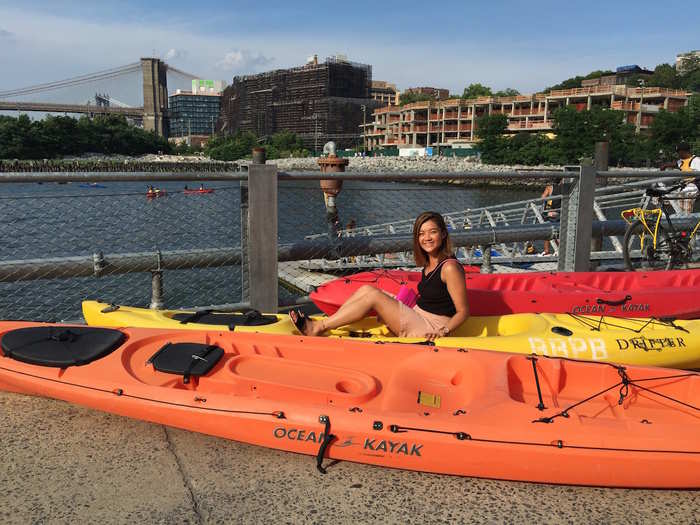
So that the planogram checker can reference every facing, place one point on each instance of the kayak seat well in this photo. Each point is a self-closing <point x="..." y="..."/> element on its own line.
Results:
<point x="453" y="378"/>
<point x="276" y="378"/>
<point x="522" y="386"/>
<point x="60" y="346"/>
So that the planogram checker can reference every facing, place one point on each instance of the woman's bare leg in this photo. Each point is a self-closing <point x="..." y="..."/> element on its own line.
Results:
<point x="358" y="295"/>
<point x="361" y="304"/>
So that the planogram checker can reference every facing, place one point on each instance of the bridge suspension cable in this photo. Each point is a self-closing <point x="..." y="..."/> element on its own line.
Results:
<point x="69" y="82"/>
<point x="183" y="73"/>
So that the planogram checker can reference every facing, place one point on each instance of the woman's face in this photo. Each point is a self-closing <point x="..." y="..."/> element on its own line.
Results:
<point x="430" y="237"/>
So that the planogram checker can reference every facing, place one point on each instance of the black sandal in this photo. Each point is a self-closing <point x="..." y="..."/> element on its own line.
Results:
<point x="299" y="319"/>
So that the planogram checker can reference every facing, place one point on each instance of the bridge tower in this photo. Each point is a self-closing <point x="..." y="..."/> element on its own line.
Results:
<point x="155" y="96"/>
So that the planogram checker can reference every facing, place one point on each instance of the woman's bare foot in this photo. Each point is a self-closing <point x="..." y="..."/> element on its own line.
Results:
<point x="305" y="325"/>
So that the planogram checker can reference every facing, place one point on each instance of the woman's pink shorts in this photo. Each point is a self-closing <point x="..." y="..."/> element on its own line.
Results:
<point x="416" y="322"/>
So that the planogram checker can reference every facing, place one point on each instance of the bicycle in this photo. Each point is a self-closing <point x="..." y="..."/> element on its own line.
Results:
<point x="650" y="244"/>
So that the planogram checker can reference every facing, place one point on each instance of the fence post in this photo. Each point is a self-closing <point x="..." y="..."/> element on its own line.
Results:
<point x="486" y="259"/>
<point x="577" y="220"/>
<point x="245" y="277"/>
<point x="601" y="164"/>
<point x="262" y="237"/>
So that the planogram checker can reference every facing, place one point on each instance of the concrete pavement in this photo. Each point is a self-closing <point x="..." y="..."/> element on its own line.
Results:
<point x="66" y="464"/>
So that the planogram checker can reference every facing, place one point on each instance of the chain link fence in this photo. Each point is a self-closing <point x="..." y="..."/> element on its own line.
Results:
<point x="64" y="243"/>
<point x="107" y="240"/>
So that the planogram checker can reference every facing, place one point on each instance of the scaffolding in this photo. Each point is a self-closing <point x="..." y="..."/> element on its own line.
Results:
<point x="318" y="102"/>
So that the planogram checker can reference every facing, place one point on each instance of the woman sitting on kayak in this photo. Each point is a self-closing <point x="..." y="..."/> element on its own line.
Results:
<point x="442" y="302"/>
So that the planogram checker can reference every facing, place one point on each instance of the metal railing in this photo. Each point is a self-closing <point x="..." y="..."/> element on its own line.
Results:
<point x="67" y="242"/>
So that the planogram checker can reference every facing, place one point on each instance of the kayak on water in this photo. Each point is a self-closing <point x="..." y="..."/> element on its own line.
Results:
<point x="467" y="413"/>
<point x="156" y="194"/>
<point x="199" y="191"/>
<point x="635" y="341"/>
<point x="622" y="294"/>
<point x="92" y="185"/>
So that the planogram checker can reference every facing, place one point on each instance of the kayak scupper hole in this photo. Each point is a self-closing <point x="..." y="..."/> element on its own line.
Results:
<point x="457" y="378"/>
<point x="560" y="330"/>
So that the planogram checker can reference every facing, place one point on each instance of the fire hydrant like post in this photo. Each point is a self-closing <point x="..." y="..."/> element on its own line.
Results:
<point x="331" y="187"/>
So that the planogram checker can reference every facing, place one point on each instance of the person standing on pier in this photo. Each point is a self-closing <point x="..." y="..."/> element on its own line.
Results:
<point x="442" y="303"/>
<point x="686" y="162"/>
<point x="551" y="207"/>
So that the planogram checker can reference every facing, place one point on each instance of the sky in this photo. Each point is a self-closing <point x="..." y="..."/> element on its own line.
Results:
<point x="449" y="44"/>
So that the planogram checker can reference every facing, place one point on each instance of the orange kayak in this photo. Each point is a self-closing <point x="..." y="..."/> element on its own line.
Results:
<point x="471" y="413"/>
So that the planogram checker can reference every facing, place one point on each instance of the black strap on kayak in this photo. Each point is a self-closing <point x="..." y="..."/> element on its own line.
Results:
<point x="62" y="336"/>
<point x="327" y="438"/>
<point x="194" y="361"/>
<point x="195" y="316"/>
<point x="533" y="359"/>
<point x="110" y="308"/>
<point x="619" y="302"/>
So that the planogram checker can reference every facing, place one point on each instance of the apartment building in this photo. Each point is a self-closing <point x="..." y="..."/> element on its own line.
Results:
<point x="436" y="93"/>
<point x="193" y="114"/>
<point x="453" y="122"/>
<point x="384" y="93"/>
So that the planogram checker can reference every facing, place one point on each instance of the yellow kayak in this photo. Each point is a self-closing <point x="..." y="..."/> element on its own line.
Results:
<point x="637" y="341"/>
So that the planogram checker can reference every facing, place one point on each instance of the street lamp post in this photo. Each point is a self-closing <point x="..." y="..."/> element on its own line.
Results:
<point x="641" y="102"/>
<point x="364" y="128"/>
<point x="315" y="118"/>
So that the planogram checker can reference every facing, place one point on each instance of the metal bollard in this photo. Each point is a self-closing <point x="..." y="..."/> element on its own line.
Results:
<point x="157" y="285"/>
<point x="486" y="259"/>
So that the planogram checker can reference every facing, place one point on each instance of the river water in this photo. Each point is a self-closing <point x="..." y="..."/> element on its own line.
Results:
<point x="61" y="220"/>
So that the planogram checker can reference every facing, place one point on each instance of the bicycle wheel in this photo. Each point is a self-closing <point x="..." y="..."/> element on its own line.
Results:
<point x="639" y="252"/>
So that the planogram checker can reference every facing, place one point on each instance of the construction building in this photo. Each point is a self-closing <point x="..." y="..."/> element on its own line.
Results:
<point x="318" y="101"/>
<point x="385" y="93"/>
<point x="435" y="93"/>
<point x="193" y="114"/>
<point x="453" y="122"/>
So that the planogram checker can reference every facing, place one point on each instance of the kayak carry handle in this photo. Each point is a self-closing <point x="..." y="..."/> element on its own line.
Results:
<point x="327" y="438"/>
<point x="614" y="303"/>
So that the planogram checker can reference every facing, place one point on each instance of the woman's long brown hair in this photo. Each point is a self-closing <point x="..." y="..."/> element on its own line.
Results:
<point x="419" y="254"/>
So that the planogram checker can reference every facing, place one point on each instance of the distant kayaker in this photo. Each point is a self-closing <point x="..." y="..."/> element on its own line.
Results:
<point x="186" y="188"/>
<point x="441" y="306"/>
<point x="201" y="187"/>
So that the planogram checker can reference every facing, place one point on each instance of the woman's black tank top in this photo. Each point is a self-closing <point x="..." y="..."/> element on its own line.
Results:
<point x="433" y="294"/>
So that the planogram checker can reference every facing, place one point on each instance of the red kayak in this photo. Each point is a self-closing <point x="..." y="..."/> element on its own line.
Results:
<point x="196" y="192"/>
<point x="673" y="293"/>
<point x="155" y="194"/>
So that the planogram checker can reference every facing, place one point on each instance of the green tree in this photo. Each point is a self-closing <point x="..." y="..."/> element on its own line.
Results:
<point x="232" y="147"/>
<point x="408" y="98"/>
<point x="490" y="129"/>
<point x="508" y="92"/>
<point x="477" y="90"/>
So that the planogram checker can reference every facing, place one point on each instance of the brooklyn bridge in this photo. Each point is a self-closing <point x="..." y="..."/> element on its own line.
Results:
<point x="153" y="114"/>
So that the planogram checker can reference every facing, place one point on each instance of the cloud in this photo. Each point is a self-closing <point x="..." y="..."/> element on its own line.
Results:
<point x="243" y="59"/>
<point x="5" y="34"/>
<point x="173" y="53"/>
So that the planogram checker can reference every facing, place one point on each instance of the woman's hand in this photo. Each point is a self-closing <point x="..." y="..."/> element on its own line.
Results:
<point x="434" y="334"/>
